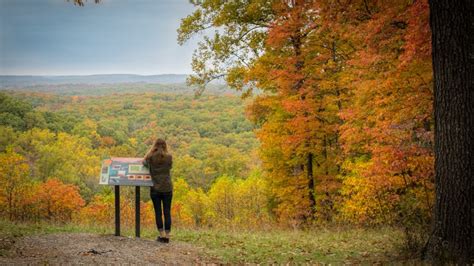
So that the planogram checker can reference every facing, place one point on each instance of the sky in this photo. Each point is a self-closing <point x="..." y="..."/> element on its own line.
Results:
<point x="55" y="37"/>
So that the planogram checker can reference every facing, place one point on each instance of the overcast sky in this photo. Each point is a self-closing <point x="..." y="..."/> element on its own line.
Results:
<point x="54" y="37"/>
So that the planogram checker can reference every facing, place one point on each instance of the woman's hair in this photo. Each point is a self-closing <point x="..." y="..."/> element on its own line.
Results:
<point x="159" y="148"/>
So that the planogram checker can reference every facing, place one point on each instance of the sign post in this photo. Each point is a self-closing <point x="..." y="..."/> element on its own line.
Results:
<point x="117" y="210"/>
<point x="125" y="172"/>
<point x="137" y="211"/>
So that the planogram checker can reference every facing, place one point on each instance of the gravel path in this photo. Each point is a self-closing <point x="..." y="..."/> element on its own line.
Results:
<point x="83" y="248"/>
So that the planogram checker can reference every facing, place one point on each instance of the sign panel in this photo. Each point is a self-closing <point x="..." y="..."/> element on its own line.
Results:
<point x="125" y="172"/>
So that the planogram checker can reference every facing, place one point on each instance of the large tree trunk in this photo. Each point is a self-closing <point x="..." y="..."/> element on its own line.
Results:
<point x="452" y="25"/>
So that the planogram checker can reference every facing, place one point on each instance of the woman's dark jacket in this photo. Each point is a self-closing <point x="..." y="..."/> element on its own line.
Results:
<point x="160" y="167"/>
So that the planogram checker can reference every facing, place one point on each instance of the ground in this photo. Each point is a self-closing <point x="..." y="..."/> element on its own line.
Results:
<point x="86" y="248"/>
<point x="50" y="243"/>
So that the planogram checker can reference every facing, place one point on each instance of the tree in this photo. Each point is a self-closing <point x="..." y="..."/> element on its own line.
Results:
<point x="13" y="112"/>
<point x="387" y="125"/>
<point x="239" y="38"/>
<point x="252" y="196"/>
<point x="13" y="181"/>
<point x="277" y="47"/>
<point x="222" y="196"/>
<point x="58" y="201"/>
<point x="197" y="204"/>
<point x="452" y="26"/>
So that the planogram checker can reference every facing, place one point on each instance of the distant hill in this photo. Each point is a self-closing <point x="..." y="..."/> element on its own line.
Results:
<point x="19" y="81"/>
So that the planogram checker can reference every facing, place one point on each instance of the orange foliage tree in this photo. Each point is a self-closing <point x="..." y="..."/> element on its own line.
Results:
<point x="58" y="201"/>
<point x="387" y="130"/>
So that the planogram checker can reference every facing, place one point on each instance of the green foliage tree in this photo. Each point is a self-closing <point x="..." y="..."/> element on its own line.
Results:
<point x="240" y="30"/>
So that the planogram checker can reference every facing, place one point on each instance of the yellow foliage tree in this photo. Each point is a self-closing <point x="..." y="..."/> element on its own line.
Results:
<point x="252" y="196"/>
<point x="14" y="182"/>
<point x="223" y="201"/>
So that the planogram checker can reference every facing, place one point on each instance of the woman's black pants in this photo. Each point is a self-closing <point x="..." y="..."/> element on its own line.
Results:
<point x="164" y="198"/>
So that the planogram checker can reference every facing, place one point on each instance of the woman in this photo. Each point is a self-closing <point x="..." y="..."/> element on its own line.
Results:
<point x="159" y="161"/>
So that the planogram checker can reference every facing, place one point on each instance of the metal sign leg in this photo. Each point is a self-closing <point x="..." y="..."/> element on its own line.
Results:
<point x="137" y="211"/>
<point x="117" y="210"/>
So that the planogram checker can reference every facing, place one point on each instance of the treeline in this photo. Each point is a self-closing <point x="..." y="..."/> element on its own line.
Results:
<point x="104" y="89"/>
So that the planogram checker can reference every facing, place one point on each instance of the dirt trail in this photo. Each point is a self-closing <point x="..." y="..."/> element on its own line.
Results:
<point x="83" y="248"/>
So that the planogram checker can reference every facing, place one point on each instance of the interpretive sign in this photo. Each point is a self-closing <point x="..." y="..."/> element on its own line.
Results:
<point x="118" y="171"/>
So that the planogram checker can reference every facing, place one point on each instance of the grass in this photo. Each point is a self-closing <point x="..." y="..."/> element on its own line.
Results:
<point x="321" y="245"/>
<point x="326" y="245"/>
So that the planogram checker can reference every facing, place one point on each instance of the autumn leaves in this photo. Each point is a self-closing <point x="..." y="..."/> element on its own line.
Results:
<point x="345" y="116"/>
